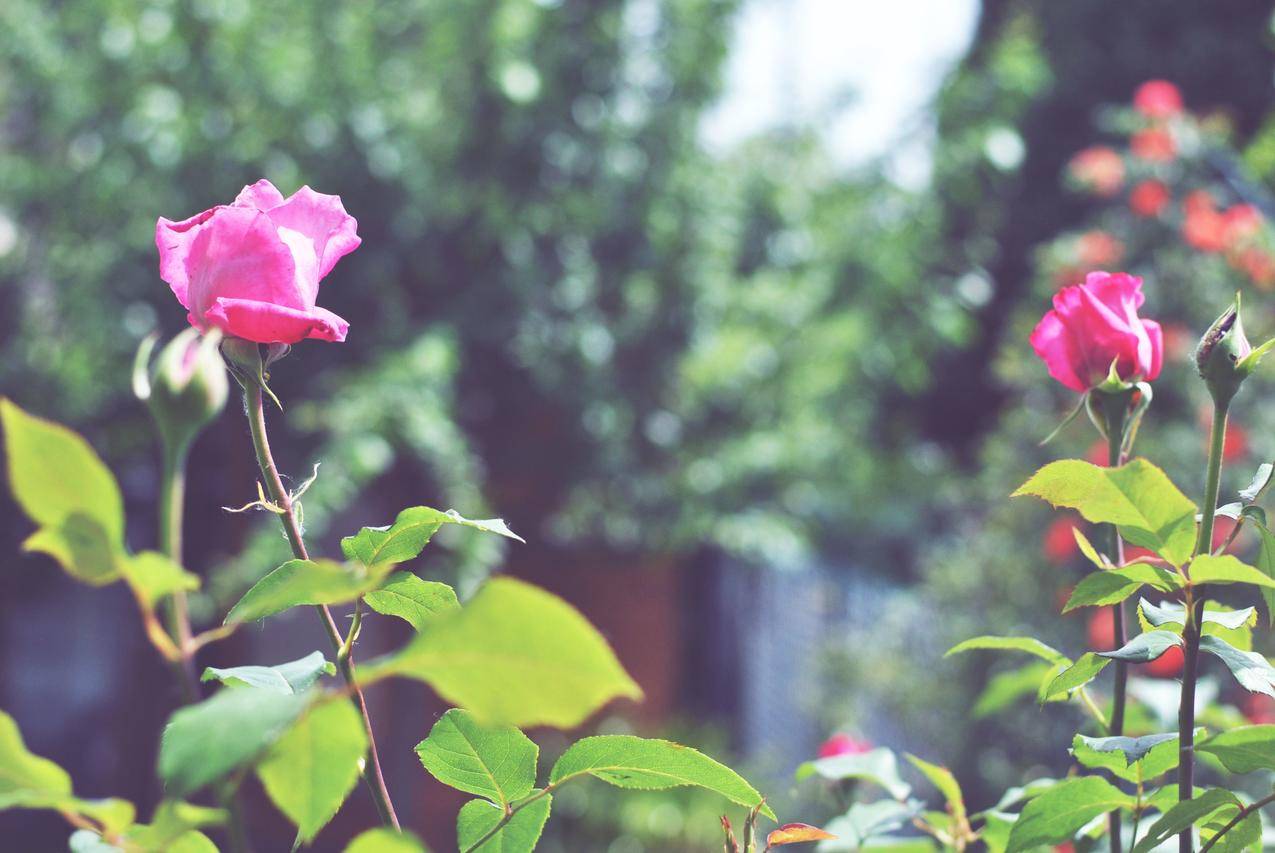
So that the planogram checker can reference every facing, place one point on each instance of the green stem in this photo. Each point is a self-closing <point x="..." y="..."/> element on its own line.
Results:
<point x="172" y="502"/>
<point x="372" y="774"/>
<point x="1194" y="618"/>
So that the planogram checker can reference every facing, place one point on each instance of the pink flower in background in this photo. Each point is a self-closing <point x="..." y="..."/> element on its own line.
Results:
<point x="1059" y="542"/>
<point x="1155" y="144"/>
<point x="1158" y="99"/>
<point x="1149" y="198"/>
<point x="1098" y="168"/>
<point x="1098" y="248"/>
<point x="1093" y="324"/>
<point x="843" y="744"/>
<point x="252" y="268"/>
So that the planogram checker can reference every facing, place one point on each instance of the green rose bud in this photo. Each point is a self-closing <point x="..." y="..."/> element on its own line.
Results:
<point x="186" y="388"/>
<point x="1224" y="356"/>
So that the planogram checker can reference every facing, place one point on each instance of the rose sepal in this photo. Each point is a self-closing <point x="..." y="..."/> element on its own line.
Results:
<point x="247" y="365"/>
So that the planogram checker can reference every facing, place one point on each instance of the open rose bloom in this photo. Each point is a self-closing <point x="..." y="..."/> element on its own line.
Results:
<point x="1094" y="324"/>
<point x="252" y="268"/>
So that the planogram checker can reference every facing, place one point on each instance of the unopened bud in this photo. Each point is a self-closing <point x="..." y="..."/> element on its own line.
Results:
<point x="186" y="388"/>
<point x="1222" y="356"/>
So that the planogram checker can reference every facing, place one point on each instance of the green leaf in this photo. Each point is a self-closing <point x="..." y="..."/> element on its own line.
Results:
<point x="310" y="771"/>
<point x="1266" y="565"/>
<point x="55" y="474"/>
<point x="1145" y="647"/>
<point x="299" y="582"/>
<point x="865" y="821"/>
<point x="1243" y="749"/>
<point x="296" y="676"/>
<point x="382" y="840"/>
<point x="878" y="766"/>
<point x="1090" y="552"/>
<point x="633" y="762"/>
<point x="173" y="820"/>
<point x="154" y="577"/>
<point x="1030" y="645"/>
<point x="206" y="741"/>
<point x="942" y="779"/>
<point x="1006" y="688"/>
<point x="1077" y="675"/>
<point x="1058" y="813"/>
<point x="405" y="595"/>
<point x="1130" y="759"/>
<point x="1226" y="569"/>
<point x="409" y="534"/>
<point x="1138" y="497"/>
<point x="1253" y="671"/>
<point x="1184" y="815"/>
<point x="81" y="546"/>
<point x="1115" y="585"/>
<point x="1244" y="836"/>
<point x="514" y="654"/>
<point x="477" y="817"/>
<point x="496" y="762"/>
<point x="27" y="780"/>
<point x="1174" y="612"/>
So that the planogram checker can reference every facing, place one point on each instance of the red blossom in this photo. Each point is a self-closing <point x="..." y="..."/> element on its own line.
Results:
<point x="1154" y="144"/>
<point x="1158" y="99"/>
<point x="1098" y="249"/>
<point x="843" y="744"/>
<point x="1059" y="542"/>
<point x="1099" y="169"/>
<point x="1149" y="198"/>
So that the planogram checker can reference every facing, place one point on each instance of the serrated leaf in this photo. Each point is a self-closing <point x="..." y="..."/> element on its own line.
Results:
<point x="633" y="762"/>
<point x="797" y="833"/>
<point x="1226" y="569"/>
<point x="878" y="766"/>
<point x="1090" y="552"/>
<point x="1138" y="497"/>
<point x="942" y="779"/>
<point x="1260" y="479"/>
<point x="1243" y="749"/>
<point x="299" y="582"/>
<point x="153" y="577"/>
<point x="514" y="654"/>
<point x="496" y="762"/>
<point x="408" y="597"/>
<point x="310" y="771"/>
<point x="1115" y="585"/>
<point x="296" y="676"/>
<point x="206" y="741"/>
<point x="1130" y="759"/>
<point x="1253" y="671"/>
<point x="409" y="534"/>
<point x="1030" y="645"/>
<point x="1057" y="814"/>
<point x="1083" y="671"/>
<point x="1145" y="647"/>
<point x="1184" y="815"/>
<point x="382" y="840"/>
<point x="478" y="817"/>
<point x="1174" y="612"/>
<point x="54" y="474"/>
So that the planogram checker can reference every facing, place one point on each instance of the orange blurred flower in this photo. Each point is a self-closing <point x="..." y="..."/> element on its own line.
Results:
<point x="1059" y="543"/>
<point x="1154" y="144"/>
<point x="1149" y="198"/>
<point x="1098" y="249"/>
<point x="1158" y="99"/>
<point x="1099" y="169"/>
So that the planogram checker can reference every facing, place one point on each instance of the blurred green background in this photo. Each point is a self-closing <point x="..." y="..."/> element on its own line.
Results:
<point x="748" y="370"/>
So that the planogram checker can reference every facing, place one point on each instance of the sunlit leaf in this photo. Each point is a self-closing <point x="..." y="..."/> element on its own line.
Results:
<point x="478" y="817"/>
<point x="409" y="534"/>
<point x="1057" y="814"/>
<point x="408" y="597"/>
<point x="293" y="677"/>
<point x="299" y="582"/>
<point x="496" y="762"/>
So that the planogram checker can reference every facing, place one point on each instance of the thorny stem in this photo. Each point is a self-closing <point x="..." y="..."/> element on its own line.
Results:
<point x="1194" y="617"/>
<point x="372" y="774"/>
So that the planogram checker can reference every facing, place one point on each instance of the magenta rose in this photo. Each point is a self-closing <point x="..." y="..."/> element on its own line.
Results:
<point x="843" y="744"/>
<point x="252" y="268"/>
<point x="1092" y="325"/>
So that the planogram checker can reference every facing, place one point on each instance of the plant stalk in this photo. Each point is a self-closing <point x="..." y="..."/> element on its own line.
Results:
<point x="372" y="774"/>
<point x="172" y="502"/>
<point x="1194" y="619"/>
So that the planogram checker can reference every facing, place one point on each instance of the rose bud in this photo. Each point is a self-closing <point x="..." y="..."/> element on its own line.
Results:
<point x="1094" y="330"/>
<point x="252" y="268"/>
<point x="1224" y="356"/>
<point x="843" y="744"/>
<point x="187" y="387"/>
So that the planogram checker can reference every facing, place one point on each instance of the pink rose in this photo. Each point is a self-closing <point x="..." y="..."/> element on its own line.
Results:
<point x="252" y="268"/>
<point x="843" y="744"/>
<point x="1092" y="325"/>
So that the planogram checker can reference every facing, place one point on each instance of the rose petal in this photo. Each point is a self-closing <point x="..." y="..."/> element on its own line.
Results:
<point x="1055" y="347"/>
<point x="259" y="196"/>
<point x="174" y="239"/>
<point x="238" y="254"/>
<point x="323" y="219"/>
<point x="267" y="323"/>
